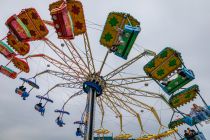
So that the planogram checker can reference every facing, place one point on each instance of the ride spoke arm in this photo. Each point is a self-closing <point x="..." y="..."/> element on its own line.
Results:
<point x="136" y="102"/>
<point x="127" y="82"/>
<point x="124" y="66"/>
<point x="117" y="101"/>
<point x="130" y="78"/>
<point x="112" y="106"/>
<point x="56" y="63"/>
<point x="104" y="61"/>
<point x="76" y="56"/>
<point x="76" y="85"/>
<point x="127" y="100"/>
<point x="140" y="91"/>
<point x="88" y="53"/>
<point x="61" y="75"/>
<point x="119" y="89"/>
<point x="72" y="96"/>
<point x="66" y="59"/>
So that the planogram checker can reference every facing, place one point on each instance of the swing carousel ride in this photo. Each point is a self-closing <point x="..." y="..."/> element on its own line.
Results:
<point x="116" y="90"/>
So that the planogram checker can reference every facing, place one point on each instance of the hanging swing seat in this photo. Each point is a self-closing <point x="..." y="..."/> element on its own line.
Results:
<point x="31" y="83"/>
<point x="6" y="50"/>
<point x="201" y="116"/>
<point x="147" y="137"/>
<point x="102" y="131"/>
<point x="163" y="64"/>
<point x="79" y="122"/>
<point x="184" y="97"/>
<point x="104" y="138"/>
<point x="21" y="48"/>
<point x="21" y="64"/>
<point x="176" y="123"/>
<point x="44" y="98"/>
<point x="123" y="136"/>
<point x="40" y="109"/>
<point x="34" y="23"/>
<point x="75" y="14"/>
<point x="62" y="21"/>
<point x="116" y="21"/>
<point x="8" y="72"/>
<point x="18" y="28"/>
<point x="62" y="112"/>
<point x="22" y="93"/>
<point x="166" y="133"/>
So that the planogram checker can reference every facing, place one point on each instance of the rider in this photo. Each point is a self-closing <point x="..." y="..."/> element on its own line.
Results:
<point x="59" y="121"/>
<point x="200" y="112"/>
<point x="78" y="132"/>
<point x="39" y="108"/>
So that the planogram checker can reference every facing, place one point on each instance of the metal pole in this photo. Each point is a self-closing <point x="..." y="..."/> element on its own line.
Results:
<point x="203" y="100"/>
<point x="91" y="114"/>
<point x="197" y="128"/>
<point x="103" y="62"/>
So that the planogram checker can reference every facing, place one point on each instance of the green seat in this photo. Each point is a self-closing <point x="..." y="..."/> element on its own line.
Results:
<point x="128" y="38"/>
<point x="179" y="82"/>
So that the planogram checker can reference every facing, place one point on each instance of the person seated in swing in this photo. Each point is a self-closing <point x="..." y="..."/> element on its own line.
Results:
<point x="119" y="40"/>
<point x="191" y="132"/>
<point x="22" y="88"/>
<point x="193" y="115"/>
<point x="40" y="108"/>
<point x="24" y="95"/>
<point x="181" y="72"/>
<point x="19" y="88"/>
<point x="186" y="134"/>
<point x="78" y="132"/>
<point x="59" y="121"/>
<point x="121" y="34"/>
<point x="195" y="135"/>
<point x="39" y="104"/>
<point x="200" y="112"/>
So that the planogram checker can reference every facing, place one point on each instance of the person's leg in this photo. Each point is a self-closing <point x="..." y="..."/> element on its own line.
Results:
<point x="202" y="116"/>
<point x="207" y="111"/>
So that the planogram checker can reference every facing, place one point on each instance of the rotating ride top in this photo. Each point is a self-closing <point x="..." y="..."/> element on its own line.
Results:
<point x="77" y="68"/>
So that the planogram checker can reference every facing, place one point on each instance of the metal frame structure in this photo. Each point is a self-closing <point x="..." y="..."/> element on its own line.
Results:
<point x="113" y="90"/>
<point x="75" y="69"/>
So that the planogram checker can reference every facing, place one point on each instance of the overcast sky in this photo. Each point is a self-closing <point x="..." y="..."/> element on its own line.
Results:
<point x="182" y="25"/>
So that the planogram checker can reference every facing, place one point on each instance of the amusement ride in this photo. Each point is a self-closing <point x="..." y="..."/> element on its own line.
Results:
<point x="115" y="90"/>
